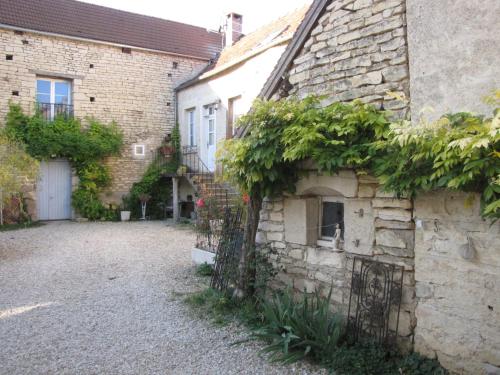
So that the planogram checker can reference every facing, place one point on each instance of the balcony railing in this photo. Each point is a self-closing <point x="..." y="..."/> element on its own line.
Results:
<point x="49" y="111"/>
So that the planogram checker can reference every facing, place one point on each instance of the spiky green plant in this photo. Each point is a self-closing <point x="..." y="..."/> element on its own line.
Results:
<point x="299" y="328"/>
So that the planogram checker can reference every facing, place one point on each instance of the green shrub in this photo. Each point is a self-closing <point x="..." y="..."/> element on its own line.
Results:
<point x="295" y="329"/>
<point x="368" y="358"/>
<point x="415" y="364"/>
<point x="221" y="309"/>
<point x="158" y="187"/>
<point x="204" y="269"/>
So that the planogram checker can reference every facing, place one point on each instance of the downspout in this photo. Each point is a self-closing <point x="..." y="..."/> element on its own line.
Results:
<point x="175" y="180"/>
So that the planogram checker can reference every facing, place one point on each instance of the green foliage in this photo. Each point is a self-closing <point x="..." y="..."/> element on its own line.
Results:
<point x="85" y="147"/>
<point x="295" y="329"/>
<point x="25" y="225"/>
<point x="154" y="184"/>
<point x="415" y="364"/>
<point x="338" y="136"/>
<point x="16" y="165"/>
<point x="368" y="358"/>
<point x="458" y="151"/>
<point x="176" y="144"/>
<point x="63" y="137"/>
<point x="221" y="309"/>
<point x="256" y="162"/>
<point x="204" y="269"/>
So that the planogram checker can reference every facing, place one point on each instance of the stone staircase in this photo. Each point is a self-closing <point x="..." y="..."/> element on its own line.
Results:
<point x="204" y="182"/>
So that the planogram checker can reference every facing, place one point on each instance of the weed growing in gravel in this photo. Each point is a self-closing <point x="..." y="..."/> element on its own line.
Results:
<point x="29" y="224"/>
<point x="222" y="309"/>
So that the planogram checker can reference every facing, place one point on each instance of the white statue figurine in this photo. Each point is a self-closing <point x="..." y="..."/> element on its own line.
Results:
<point x="336" y="238"/>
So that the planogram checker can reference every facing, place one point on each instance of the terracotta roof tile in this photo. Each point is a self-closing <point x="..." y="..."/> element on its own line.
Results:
<point x="89" y="21"/>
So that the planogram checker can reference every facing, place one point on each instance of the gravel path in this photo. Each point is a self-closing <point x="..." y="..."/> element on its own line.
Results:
<point x="103" y="298"/>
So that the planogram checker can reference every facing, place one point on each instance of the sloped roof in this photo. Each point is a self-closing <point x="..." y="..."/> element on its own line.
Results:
<point x="277" y="32"/>
<point x="89" y="21"/>
<point x="316" y="10"/>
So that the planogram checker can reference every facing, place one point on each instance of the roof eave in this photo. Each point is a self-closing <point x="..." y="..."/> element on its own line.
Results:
<point x="293" y="48"/>
<point x="286" y="59"/>
<point x="204" y="75"/>
<point x="89" y="40"/>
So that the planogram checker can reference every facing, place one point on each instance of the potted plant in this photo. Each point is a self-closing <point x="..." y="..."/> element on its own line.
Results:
<point x="125" y="208"/>
<point x="166" y="148"/>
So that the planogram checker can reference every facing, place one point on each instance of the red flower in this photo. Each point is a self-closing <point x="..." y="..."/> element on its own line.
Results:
<point x="246" y="198"/>
<point x="200" y="203"/>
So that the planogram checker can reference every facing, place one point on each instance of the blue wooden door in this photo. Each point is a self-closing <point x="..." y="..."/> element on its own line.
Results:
<point x="54" y="190"/>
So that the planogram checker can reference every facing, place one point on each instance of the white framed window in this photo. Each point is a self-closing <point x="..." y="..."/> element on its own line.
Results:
<point x="331" y="213"/>
<point x="210" y="112"/>
<point x="190" y="113"/>
<point x="53" y="97"/>
<point x="235" y="111"/>
<point x="139" y="150"/>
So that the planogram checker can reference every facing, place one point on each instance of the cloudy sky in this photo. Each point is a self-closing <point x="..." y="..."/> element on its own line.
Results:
<point x="208" y="14"/>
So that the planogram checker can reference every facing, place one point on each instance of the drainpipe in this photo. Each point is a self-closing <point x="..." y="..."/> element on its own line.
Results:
<point x="175" y="180"/>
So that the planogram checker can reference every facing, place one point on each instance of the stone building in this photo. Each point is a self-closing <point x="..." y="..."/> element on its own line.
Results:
<point x="443" y="55"/>
<point x="99" y="62"/>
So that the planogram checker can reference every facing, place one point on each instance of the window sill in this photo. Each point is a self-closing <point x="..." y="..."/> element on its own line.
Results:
<point x="329" y="244"/>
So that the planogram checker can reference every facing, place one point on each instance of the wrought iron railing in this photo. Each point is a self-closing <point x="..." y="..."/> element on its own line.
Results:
<point x="214" y="198"/>
<point x="49" y="111"/>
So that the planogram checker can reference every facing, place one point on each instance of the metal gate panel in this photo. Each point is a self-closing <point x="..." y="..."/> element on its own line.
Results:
<point x="54" y="190"/>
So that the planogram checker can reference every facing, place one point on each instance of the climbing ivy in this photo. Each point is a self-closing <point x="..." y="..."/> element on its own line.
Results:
<point x="85" y="147"/>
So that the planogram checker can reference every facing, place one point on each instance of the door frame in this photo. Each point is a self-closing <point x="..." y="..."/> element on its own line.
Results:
<point x="70" y="212"/>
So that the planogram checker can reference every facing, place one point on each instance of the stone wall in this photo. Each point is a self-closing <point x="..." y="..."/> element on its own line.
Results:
<point x="135" y="90"/>
<point x="454" y="50"/>
<point x="357" y="50"/>
<point x="457" y="272"/>
<point x="383" y="231"/>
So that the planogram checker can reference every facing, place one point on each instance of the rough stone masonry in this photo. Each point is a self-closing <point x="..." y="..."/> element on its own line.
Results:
<point x="135" y="90"/>
<point x="359" y="49"/>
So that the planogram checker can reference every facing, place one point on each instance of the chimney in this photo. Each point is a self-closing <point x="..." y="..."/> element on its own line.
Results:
<point x="234" y="28"/>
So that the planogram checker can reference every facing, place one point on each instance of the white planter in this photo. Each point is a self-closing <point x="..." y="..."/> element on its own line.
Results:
<point x="199" y="256"/>
<point x="125" y="215"/>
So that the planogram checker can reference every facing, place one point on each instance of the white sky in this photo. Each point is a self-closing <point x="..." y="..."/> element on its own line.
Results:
<point x="208" y="13"/>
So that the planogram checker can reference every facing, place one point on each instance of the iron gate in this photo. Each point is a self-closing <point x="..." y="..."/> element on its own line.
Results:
<point x="375" y="298"/>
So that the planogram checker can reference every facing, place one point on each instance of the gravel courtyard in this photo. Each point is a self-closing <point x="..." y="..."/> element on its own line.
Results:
<point x="106" y="298"/>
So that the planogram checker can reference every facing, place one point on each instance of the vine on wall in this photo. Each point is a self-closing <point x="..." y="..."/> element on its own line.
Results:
<point x="154" y="182"/>
<point x="458" y="151"/>
<point x="85" y="147"/>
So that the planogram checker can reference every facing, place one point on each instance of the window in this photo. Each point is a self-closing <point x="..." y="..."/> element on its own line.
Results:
<point x="53" y="97"/>
<point x="191" y="127"/>
<point x="331" y="214"/>
<point x="210" y="115"/>
<point x="139" y="150"/>
<point x="234" y="113"/>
